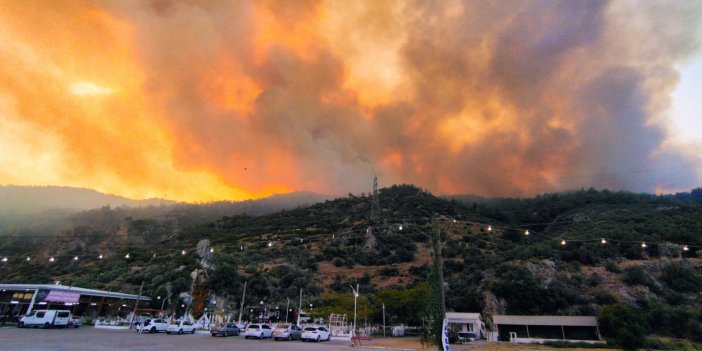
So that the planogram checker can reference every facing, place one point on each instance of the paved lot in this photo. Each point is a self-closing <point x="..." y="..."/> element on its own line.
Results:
<point x="88" y="338"/>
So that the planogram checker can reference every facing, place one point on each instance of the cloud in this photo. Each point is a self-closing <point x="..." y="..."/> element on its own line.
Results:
<point x="215" y="100"/>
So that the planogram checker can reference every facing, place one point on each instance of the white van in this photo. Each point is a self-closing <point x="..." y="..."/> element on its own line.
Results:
<point x="45" y="319"/>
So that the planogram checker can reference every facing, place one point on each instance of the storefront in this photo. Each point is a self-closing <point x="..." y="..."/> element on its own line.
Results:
<point x="19" y="299"/>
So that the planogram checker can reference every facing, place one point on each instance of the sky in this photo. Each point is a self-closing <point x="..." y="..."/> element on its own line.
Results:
<point x="228" y="100"/>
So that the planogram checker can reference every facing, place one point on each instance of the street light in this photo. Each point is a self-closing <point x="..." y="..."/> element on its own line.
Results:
<point x="383" y="319"/>
<point x="162" y="302"/>
<point x="355" y="297"/>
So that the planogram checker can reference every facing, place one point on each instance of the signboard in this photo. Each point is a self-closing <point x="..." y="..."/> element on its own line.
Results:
<point x="62" y="296"/>
<point x="445" y="335"/>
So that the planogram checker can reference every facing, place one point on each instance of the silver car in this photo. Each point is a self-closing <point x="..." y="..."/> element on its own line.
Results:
<point x="287" y="332"/>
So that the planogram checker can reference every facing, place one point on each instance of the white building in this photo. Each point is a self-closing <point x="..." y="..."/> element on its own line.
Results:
<point x="467" y="322"/>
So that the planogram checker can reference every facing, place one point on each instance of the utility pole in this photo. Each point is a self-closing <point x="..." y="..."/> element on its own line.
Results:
<point x="299" y="308"/>
<point x="136" y="305"/>
<point x="439" y="271"/>
<point x="287" y="309"/>
<point x="241" y="309"/>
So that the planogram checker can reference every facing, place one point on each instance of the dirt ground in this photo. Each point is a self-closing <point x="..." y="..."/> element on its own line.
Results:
<point x="414" y="344"/>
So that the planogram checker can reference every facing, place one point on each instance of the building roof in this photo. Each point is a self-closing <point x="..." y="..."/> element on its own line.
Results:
<point x="574" y="321"/>
<point x="462" y="317"/>
<point x="82" y="291"/>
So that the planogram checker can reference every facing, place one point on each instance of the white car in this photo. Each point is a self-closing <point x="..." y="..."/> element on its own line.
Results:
<point x="154" y="326"/>
<point x="258" y="331"/>
<point x="315" y="334"/>
<point x="180" y="328"/>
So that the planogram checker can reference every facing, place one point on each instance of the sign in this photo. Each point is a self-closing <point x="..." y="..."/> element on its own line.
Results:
<point x="445" y="335"/>
<point x="62" y="296"/>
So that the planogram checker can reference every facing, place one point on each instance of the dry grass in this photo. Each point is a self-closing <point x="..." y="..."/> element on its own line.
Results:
<point x="414" y="344"/>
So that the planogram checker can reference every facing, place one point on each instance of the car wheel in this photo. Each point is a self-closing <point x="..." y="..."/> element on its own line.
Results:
<point x="180" y="331"/>
<point x="47" y="325"/>
<point x="153" y="330"/>
<point x="289" y="337"/>
<point x="20" y="325"/>
<point x="261" y="336"/>
<point x="328" y="337"/>
<point x="169" y="333"/>
<point x="317" y="338"/>
<point x="225" y="334"/>
<point x="192" y="331"/>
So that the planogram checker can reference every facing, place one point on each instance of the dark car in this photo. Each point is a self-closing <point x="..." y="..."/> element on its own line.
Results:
<point x="225" y="330"/>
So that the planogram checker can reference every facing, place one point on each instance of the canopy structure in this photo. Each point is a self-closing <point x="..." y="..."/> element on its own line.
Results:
<point x="18" y="299"/>
<point x="526" y="329"/>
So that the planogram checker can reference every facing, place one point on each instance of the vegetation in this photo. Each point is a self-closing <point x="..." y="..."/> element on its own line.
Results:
<point x="323" y="248"/>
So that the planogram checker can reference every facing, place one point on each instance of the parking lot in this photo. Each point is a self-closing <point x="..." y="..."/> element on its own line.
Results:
<point x="88" y="338"/>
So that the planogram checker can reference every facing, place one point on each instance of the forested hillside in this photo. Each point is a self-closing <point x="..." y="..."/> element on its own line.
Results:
<point x="588" y="252"/>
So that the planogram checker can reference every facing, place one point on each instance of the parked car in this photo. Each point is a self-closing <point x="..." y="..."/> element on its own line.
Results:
<point x="45" y="319"/>
<point x="287" y="332"/>
<point x="73" y="323"/>
<point x="155" y="326"/>
<point x="180" y="328"/>
<point x="225" y="329"/>
<point x="315" y="334"/>
<point x="258" y="331"/>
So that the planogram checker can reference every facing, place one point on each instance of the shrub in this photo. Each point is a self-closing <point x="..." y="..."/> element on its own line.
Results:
<point x="389" y="272"/>
<point x="681" y="279"/>
<point x="624" y="324"/>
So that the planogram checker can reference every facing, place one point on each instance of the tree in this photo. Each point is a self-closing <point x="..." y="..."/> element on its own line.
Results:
<point x="624" y="324"/>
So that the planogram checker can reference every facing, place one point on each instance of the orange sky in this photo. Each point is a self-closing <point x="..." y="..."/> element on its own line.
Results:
<point x="213" y="100"/>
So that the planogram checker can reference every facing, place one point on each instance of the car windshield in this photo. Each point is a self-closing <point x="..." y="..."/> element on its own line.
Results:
<point x="253" y="327"/>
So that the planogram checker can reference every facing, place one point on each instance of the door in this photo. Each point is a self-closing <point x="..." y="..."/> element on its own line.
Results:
<point x="513" y="337"/>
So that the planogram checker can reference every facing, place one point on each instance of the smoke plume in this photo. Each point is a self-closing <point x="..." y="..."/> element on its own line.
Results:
<point x="204" y="100"/>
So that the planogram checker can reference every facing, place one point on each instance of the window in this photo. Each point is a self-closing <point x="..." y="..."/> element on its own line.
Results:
<point x="41" y="314"/>
<point x="265" y="327"/>
<point x="63" y="314"/>
<point x="253" y="327"/>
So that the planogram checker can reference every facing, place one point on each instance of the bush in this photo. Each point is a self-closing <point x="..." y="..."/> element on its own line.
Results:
<point x="389" y="272"/>
<point x="624" y="324"/>
<point x="613" y="267"/>
<point x="681" y="279"/>
<point x="637" y="276"/>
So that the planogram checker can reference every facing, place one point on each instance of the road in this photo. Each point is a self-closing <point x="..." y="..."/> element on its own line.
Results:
<point x="88" y="338"/>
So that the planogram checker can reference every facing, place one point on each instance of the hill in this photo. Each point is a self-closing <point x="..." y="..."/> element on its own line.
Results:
<point x="53" y="210"/>
<point x="490" y="263"/>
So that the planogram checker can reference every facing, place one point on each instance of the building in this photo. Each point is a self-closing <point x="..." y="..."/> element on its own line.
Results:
<point x="466" y="322"/>
<point x="539" y="329"/>
<point x="19" y="299"/>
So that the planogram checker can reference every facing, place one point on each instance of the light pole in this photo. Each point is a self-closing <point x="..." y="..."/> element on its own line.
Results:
<point x="355" y="297"/>
<point x="241" y="309"/>
<point x="162" y="302"/>
<point x="383" y="319"/>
